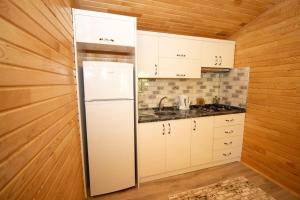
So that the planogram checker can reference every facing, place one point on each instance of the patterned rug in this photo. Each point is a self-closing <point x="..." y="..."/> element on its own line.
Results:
<point x="237" y="188"/>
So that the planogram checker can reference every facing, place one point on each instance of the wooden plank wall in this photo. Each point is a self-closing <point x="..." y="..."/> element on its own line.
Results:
<point x="40" y="154"/>
<point x="270" y="45"/>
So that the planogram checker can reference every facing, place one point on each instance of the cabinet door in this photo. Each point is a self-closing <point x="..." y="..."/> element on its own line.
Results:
<point x="217" y="54"/>
<point x="147" y="56"/>
<point x="210" y="56"/>
<point x="202" y="140"/>
<point x="101" y="30"/>
<point x="152" y="151"/>
<point x="226" y="55"/>
<point x="178" y="144"/>
<point x="179" y="68"/>
<point x="171" y="47"/>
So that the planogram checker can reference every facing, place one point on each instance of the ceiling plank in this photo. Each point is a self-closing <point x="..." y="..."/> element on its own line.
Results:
<point x="209" y="18"/>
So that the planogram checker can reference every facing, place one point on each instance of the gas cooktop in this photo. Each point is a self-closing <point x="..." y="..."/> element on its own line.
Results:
<point x="213" y="107"/>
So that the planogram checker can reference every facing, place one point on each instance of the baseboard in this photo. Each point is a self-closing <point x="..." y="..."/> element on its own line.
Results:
<point x="187" y="170"/>
<point x="271" y="179"/>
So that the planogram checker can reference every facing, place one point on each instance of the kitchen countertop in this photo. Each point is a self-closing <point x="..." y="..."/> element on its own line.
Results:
<point x="148" y="114"/>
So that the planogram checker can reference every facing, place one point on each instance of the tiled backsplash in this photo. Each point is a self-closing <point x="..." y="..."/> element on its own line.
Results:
<point x="230" y="87"/>
<point x="234" y="87"/>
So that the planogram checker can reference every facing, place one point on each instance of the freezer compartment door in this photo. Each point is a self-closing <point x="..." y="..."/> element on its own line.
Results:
<point x="110" y="137"/>
<point x="107" y="80"/>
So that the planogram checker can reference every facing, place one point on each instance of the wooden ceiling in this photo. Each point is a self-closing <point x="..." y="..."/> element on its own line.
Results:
<point x="208" y="18"/>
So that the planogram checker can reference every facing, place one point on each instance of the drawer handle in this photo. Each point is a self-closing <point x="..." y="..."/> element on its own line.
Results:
<point x="180" y="74"/>
<point x="229" y="120"/>
<point x="229" y="132"/>
<point x="195" y="125"/>
<point x="228" y="143"/>
<point x="105" y="39"/>
<point x="227" y="154"/>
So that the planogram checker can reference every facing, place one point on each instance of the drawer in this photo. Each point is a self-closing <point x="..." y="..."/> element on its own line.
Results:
<point x="227" y="153"/>
<point x="233" y="119"/>
<point x="230" y="142"/>
<point x="228" y="131"/>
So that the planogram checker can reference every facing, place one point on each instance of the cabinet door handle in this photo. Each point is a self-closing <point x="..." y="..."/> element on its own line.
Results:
<point x="169" y="128"/>
<point x="216" y="60"/>
<point x="227" y="154"/>
<point x="228" y="143"/>
<point x="220" y="60"/>
<point x="195" y="125"/>
<point x="155" y="69"/>
<point x="229" y="132"/>
<point x="163" y="129"/>
<point x="229" y="120"/>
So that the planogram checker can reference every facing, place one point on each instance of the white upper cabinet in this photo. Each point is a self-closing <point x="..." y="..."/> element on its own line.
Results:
<point x="171" y="47"/>
<point x="162" y="55"/>
<point x="103" y="28"/>
<point x="179" y="68"/>
<point x="217" y="54"/>
<point x="147" y="59"/>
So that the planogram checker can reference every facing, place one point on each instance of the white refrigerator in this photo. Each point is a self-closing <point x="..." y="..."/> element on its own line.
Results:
<point x="109" y="106"/>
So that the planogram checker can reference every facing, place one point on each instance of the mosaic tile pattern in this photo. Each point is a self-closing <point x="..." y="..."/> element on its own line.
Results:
<point x="238" y="188"/>
<point x="230" y="87"/>
<point x="152" y="90"/>
<point x="234" y="87"/>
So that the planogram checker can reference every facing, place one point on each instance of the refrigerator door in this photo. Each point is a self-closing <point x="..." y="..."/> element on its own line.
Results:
<point x="107" y="80"/>
<point x="110" y="137"/>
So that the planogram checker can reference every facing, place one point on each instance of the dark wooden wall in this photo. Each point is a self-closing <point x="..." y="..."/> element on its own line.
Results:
<point x="40" y="156"/>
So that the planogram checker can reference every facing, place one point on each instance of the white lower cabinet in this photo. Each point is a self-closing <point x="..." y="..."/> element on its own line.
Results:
<point x="152" y="148"/>
<point x="228" y="136"/>
<point x="229" y="153"/>
<point x="164" y="146"/>
<point x="172" y="147"/>
<point x="178" y="144"/>
<point x="229" y="142"/>
<point x="202" y="140"/>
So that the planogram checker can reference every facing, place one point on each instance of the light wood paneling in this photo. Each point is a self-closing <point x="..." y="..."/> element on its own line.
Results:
<point x="216" y="19"/>
<point x="270" y="45"/>
<point x="40" y="155"/>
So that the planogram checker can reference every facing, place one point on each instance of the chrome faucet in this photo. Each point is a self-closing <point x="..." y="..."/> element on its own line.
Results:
<point x="159" y="105"/>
